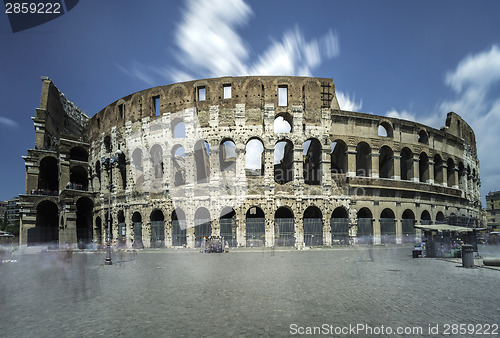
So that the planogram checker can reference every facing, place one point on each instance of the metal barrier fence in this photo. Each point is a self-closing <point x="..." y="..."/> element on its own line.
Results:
<point x="179" y="233"/>
<point x="157" y="234"/>
<point x="137" y="234"/>
<point x="228" y="231"/>
<point x="408" y="231"/>
<point x="256" y="232"/>
<point x="365" y="231"/>
<point x="284" y="231"/>
<point x="313" y="231"/>
<point x="202" y="229"/>
<point x="340" y="231"/>
<point x="388" y="230"/>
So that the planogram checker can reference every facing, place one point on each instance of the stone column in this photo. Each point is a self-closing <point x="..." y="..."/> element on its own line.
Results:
<point x="399" y="230"/>
<point x="430" y="171"/>
<point x="351" y="161"/>
<point x="376" y="231"/>
<point x="416" y="168"/>
<point x="327" y="234"/>
<point x="397" y="165"/>
<point x="299" y="232"/>
<point x="375" y="164"/>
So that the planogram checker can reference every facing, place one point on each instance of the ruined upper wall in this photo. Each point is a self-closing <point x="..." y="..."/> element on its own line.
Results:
<point x="57" y="116"/>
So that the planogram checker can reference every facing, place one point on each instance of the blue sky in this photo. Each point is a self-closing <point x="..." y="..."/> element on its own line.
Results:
<point x="416" y="60"/>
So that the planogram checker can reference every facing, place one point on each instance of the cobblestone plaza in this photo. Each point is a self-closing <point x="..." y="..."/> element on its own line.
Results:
<point x="245" y="292"/>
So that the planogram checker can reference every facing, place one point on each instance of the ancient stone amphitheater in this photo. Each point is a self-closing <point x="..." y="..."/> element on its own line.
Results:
<point x="260" y="161"/>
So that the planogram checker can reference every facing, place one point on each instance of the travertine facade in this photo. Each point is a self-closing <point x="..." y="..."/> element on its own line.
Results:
<point x="212" y="157"/>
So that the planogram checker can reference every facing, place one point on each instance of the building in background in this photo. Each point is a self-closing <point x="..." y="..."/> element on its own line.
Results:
<point x="493" y="210"/>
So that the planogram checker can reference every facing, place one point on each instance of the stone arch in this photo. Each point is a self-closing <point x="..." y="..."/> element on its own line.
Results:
<point x="284" y="227"/>
<point x="84" y="213"/>
<point x="157" y="229"/>
<point x="313" y="226"/>
<point x="338" y="157"/>
<point x="386" y="162"/>
<point x="107" y="144"/>
<point x="255" y="221"/>
<point x="137" y="229"/>
<point x="365" y="226"/>
<point x="283" y="161"/>
<point x="178" y="128"/>
<point x="283" y="123"/>
<point x="363" y="159"/>
<point x="339" y="225"/>
<point x="425" y="218"/>
<point x="202" y="225"/>
<point x="122" y="228"/>
<point x="202" y="161"/>
<point x="440" y="219"/>
<point x="254" y="157"/>
<point x="227" y="221"/>
<point x="388" y="226"/>
<point x="408" y="226"/>
<point x="406" y="164"/>
<point x="178" y="227"/>
<point x="462" y="176"/>
<point x="156" y="153"/>
<point x="79" y="154"/>
<point x="423" y="167"/>
<point x="178" y="165"/>
<point x="46" y="230"/>
<point x="423" y="137"/>
<point x="312" y="158"/>
<point x="450" y="172"/>
<point x="78" y="178"/>
<point x="227" y="155"/>
<point x="385" y="129"/>
<point x="438" y="169"/>
<point x="48" y="178"/>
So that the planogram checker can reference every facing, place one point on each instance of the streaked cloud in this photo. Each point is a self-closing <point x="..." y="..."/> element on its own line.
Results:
<point x="8" y="122"/>
<point x="346" y="102"/>
<point x="436" y="121"/>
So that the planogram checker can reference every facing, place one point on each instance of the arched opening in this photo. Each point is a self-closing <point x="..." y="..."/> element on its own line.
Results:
<point x="84" y="212"/>
<point x="122" y="166"/>
<point x="202" y="161"/>
<point x="311" y="154"/>
<point x="462" y="175"/>
<point x="385" y="129"/>
<point x="157" y="160"/>
<point x="254" y="158"/>
<point x="98" y="172"/>
<point x="284" y="227"/>
<point x="255" y="222"/>
<point x="228" y="226"/>
<point x="283" y="162"/>
<point x="179" y="165"/>
<point x="408" y="227"/>
<point x="137" y="167"/>
<point x="339" y="224"/>
<point x="78" y="154"/>
<point x="227" y="155"/>
<point x="387" y="226"/>
<point x="46" y="230"/>
<point x="107" y="144"/>
<point x="338" y="157"/>
<point x="363" y="160"/>
<point x="202" y="225"/>
<point x="425" y="218"/>
<point x="313" y="226"/>
<point x="48" y="179"/>
<point x="365" y="226"/>
<point x="283" y="123"/>
<point x="422" y="137"/>
<point x="178" y="228"/>
<point x="178" y="128"/>
<point x="440" y="219"/>
<point x="137" y="228"/>
<point x="122" y="229"/>
<point x="78" y="179"/>
<point x="450" y="173"/>
<point x="98" y="230"/>
<point x="386" y="162"/>
<point x="406" y="164"/>
<point x="438" y="169"/>
<point x="157" y="229"/>
<point x="423" y="168"/>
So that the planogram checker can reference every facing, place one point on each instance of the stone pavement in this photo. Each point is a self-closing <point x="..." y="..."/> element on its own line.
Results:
<point x="247" y="292"/>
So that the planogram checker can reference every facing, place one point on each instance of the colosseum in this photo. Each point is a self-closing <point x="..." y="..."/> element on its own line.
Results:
<point x="259" y="160"/>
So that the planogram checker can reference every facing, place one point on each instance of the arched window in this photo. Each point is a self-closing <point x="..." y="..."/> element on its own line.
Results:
<point x="363" y="160"/>
<point x="107" y="144"/>
<point x="202" y="224"/>
<point x="157" y="229"/>
<point x="178" y="165"/>
<point x="228" y="226"/>
<point x="283" y="123"/>
<point x="406" y="164"/>
<point x="340" y="226"/>
<point x="440" y="219"/>
<point x="386" y="162"/>
<point x="423" y="168"/>
<point x="283" y="162"/>
<point x="339" y="157"/>
<point x="137" y="228"/>
<point x="227" y="155"/>
<point x="202" y="161"/>
<point x="388" y="226"/>
<point x="425" y="218"/>
<point x="79" y="154"/>
<point x="48" y="179"/>
<point x="408" y="226"/>
<point x="438" y="169"/>
<point x="450" y="172"/>
<point x="255" y="227"/>
<point x="122" y="228"/>
<point x="422" y="137"/>
<point x="78" y="179"/>
<point x="178" y="128"/>
<point x="284" y="227"/>
<point x="254" y="158"/>
<point x="313" y="226"/>
<point x="385" y="129"/>
<point x="157" y="160"/>
<point x="311" y="152"/>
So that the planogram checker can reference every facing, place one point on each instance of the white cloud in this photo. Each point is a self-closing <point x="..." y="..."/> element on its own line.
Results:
<point x="348" y="103"/>
<point x="8" y="122"/>
<point x="140" y="71"/>
<point x="473" y="82"/>
<point x="435" y="121"/>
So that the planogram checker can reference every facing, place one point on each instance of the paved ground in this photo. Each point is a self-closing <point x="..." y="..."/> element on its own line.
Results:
<point x="242" y="293"/>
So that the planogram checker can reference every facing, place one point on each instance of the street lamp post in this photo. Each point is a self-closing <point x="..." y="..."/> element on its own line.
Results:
<point x="108" y="164"/>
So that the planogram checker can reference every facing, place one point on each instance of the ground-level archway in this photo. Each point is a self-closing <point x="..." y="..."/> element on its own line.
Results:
<point x="227" y="226"/>
<point x="313" y="226"/>
<point x="46" y="230"/>
<point x="339" y="224"/>
<point x="284" y="227"/>
<point x="84" y="212"/>
<point x="255" y="227"/>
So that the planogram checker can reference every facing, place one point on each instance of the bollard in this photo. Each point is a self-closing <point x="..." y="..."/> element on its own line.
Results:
<point x="467" y="256"/>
